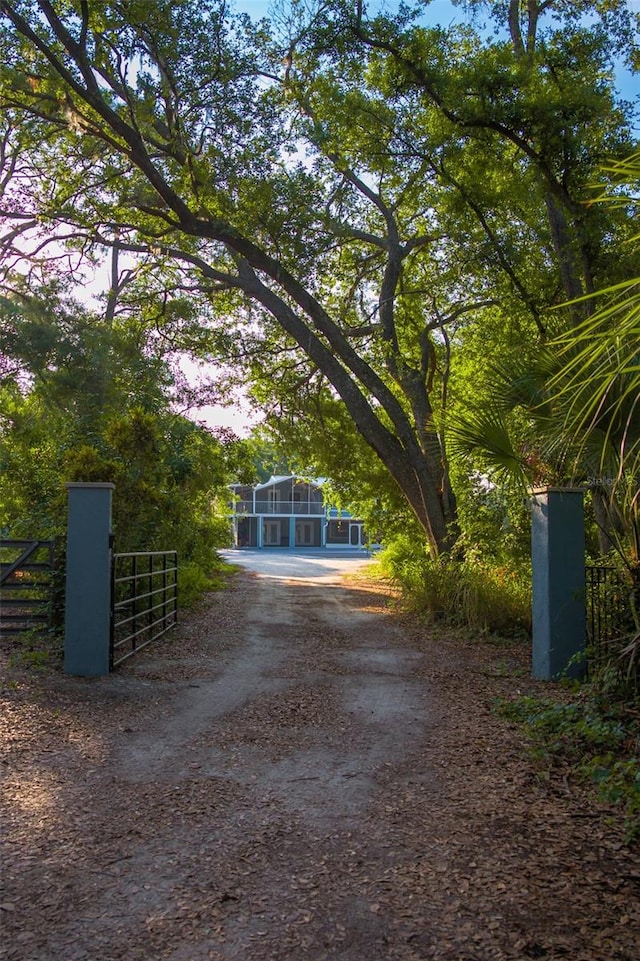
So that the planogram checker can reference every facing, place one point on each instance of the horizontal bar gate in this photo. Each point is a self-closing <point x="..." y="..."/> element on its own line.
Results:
<point x="26" y="574"/>
<point x="144" y="600"/>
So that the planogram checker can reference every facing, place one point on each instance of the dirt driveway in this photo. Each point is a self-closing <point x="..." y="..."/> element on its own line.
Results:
<point x="298" y="773"/>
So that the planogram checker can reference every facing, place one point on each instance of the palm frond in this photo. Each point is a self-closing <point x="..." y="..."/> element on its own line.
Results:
<point x="485" y="435"/>
<point x="597" y="390"/>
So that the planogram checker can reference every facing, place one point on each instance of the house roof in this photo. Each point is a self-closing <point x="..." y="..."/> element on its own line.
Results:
<point x="278" y="478"/>
<point x="274" y="479"/>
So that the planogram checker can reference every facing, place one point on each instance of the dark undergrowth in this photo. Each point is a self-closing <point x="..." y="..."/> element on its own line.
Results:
<point x="591" y="734"/>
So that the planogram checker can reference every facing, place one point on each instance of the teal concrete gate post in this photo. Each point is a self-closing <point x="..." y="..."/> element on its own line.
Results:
<point x="87" y="626"/>
<point x="558" y="600"/>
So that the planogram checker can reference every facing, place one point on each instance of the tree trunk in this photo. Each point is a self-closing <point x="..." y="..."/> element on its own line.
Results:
<point x="419" y="473"/>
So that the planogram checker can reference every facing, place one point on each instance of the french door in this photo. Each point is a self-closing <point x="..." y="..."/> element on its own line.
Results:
<point x="271" y="534"/>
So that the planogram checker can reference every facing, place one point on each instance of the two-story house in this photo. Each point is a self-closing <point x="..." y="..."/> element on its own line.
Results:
<point x="286" y="511"/>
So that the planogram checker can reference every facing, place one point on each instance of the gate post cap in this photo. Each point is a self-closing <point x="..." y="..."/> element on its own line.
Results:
<point x="551" y="489"/>
<point x="105" y="484"/>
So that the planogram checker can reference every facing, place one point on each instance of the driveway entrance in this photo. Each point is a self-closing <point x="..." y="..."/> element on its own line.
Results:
<point x="298" y="773"/>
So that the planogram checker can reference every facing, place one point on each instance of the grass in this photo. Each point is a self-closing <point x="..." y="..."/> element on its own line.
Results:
<point x="482" y="597"/>
<point x="193" y="582"/>
<point x="35" y="649"/>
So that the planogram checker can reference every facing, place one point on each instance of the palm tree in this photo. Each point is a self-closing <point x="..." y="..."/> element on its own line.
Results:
<point x="597" y="388"/>
<point x="581" y="398"/>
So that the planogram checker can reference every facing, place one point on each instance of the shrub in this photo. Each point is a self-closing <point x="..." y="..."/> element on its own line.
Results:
<point x="479" y="595"/>
<point x="193" y="582"/>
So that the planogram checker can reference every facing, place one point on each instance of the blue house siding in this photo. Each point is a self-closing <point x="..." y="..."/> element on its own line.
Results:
<point x="289" y="512"/>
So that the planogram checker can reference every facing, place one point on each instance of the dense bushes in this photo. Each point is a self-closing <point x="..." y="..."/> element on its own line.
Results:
<point x="93" y="403"/>
<point x="481" y="595"/>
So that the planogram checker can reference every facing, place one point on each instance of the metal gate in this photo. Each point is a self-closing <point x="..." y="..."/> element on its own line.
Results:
<point x="26" y="577"/>
<point x="609" y="616"/>
<point x="144" y="592"/>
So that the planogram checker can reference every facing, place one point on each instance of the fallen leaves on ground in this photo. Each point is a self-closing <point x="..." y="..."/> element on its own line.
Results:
<point x="291" y="828"/>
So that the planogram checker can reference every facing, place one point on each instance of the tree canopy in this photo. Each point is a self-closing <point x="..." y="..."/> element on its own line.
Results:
<point x="337" y="201"/>
<point x="86" y="396"/>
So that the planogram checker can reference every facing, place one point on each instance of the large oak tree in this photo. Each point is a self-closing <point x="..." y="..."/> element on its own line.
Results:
<point x="346" y="198"/>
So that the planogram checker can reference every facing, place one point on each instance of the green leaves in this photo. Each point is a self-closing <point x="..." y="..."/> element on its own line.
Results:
<point x="485" y="433"/>
<point x="329" y="211"/>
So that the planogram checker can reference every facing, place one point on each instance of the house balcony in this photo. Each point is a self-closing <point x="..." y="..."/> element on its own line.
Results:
<point x="279" y="507"/>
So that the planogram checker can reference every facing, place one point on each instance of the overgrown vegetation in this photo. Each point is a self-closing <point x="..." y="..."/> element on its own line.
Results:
<point x="593" y="737"/>
<point x="83" y="399"/>
<point x="480" y="595"/>
<point x="193" y="581"/>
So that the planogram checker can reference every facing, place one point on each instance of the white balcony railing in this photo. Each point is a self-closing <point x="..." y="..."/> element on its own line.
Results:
<point x="279" y="507"/>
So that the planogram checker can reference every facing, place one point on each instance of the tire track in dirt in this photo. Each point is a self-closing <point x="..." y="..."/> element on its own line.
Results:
<point x="298" y="774"/>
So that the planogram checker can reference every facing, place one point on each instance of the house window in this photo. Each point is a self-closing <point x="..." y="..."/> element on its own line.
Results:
<point x="338" y="532"/>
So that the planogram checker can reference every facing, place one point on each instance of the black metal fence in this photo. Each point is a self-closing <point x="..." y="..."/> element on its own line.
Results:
<point x="144" y="598"/>
<point x="26" y="579"/>
<point x="609" y="613"/>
